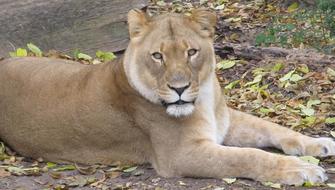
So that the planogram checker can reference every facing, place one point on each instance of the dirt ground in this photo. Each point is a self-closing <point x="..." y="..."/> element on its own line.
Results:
<point x="147" y="180"/>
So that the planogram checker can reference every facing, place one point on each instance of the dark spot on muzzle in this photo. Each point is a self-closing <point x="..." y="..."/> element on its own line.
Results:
<point x="178" y="102"/>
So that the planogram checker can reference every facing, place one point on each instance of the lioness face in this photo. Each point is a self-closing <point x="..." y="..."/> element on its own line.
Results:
<point x="172" y="57"/>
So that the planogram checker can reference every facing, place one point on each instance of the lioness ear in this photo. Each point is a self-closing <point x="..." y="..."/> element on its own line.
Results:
<point x="206" y="19"/>
<point x="137" y="22"/>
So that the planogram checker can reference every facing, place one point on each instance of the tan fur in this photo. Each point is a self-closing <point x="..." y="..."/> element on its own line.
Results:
<point x="67" y="112"/>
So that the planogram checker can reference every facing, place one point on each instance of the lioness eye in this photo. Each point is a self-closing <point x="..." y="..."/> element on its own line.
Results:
<point x="157" y="55"/>
<point x="191" y="52"/>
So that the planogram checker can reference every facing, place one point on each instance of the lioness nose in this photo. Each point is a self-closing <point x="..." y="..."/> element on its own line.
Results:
<point x="179" y="90"/>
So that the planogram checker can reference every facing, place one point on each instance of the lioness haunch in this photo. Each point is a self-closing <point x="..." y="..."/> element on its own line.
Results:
<point x="160" y="104"/>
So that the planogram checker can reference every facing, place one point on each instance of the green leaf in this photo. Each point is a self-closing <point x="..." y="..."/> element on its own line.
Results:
<point x="294" y="6"/>
<point x="330" y="120"/>
<point x="76" y="53"/>
<point x="64" y="168"/>
<point x="20" y="52"/>
<point x="229" y="180"/>
<point x="129" y="170"/>
<point x="51" y="165"/>
<point x="295" y="78"/>
<point x="311" y="103"/>
<point x="309" y="121"/>
<point x="84" y="56"/>
<point x="232" y="85"/>
<point x="16" y="170"/>
<point x="34" y="49"/>
<point x="3" y="154"/>
<point x="306" y="110"/>
<point x="311" y="184"/>
<point x="266" y="110"/>
<point x="273" y="185"/>
<point x="105" y="56"/>
<point x="286" y="76"/>
<point x="226" y="64"/>
<point x="257" y="79"/>
<point x="277" y="67"/>
<point x="310" y="159"/>
<point x="303" y="68"/>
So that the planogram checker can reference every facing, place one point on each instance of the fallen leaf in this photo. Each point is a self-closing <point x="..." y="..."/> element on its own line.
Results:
<point x="16" y="170"/>
<point x="310" y="184"/>
<point x="33" y="48"/>
<point x="78" y="181"/>
<point x="84" y="56"/>
<point x="55" y="175"/>
<point x="256" y="80"/>
<point x="232" y="85"/>
<point x="273" y="185"/>
<point x="330" y="120"/>
<point x="51" y="165"/>
<point x="331" y="170"/>
<point x="105" y="56"/>
<point x="306" y="110"/>
<point x="85" y="170"/>
<point x="129" y="170"/>
<point x="220" y="7"/>
<point x="182" y="183"/>
<point x="332" y="133"/>
<point x="303" y="68"/>
<point x="138" y="172"/>
<point x="286" y="76"/>
<point x="295" y="78"/>
<point x="311" y="103"/>
<point x="64" y="168"/>
<point x="229" y="180"/>
<point x="331" y="185"/>
<point x="277" y="67"/>
<point x="330" y="72"/>
<point x="113" y="175"/>
<point x="294" y="6"/>
<point x="310" y="159"/>
<point x="20" y="52"/>
<point x="226" y="64"/>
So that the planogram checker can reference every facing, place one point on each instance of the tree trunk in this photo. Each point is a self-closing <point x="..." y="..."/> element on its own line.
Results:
<point x="65" y="25"/>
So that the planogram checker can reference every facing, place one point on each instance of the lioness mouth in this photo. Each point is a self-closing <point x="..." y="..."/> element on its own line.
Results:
<point x="179" y="102"/>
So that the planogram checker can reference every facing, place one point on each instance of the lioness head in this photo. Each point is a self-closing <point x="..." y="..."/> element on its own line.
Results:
<point x="170" y="57"/>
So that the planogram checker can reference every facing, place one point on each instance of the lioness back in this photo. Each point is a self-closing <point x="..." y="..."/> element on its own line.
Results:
<point x="61" y="110"/>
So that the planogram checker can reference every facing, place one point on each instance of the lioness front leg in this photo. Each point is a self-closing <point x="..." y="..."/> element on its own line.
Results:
<point x="208" y="159"/>
<point x="249" y="131"/>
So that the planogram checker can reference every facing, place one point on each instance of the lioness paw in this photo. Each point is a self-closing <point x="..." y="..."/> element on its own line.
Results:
<point x="320" y="147"/>
<point x="309" y="146"/>
<point x="297" y="172"/>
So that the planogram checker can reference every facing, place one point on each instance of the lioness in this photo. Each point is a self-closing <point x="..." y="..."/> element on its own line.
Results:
<point x="160" y="104"/>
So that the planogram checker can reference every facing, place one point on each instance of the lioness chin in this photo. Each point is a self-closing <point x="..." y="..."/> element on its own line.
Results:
<point x="160" y="104"/>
